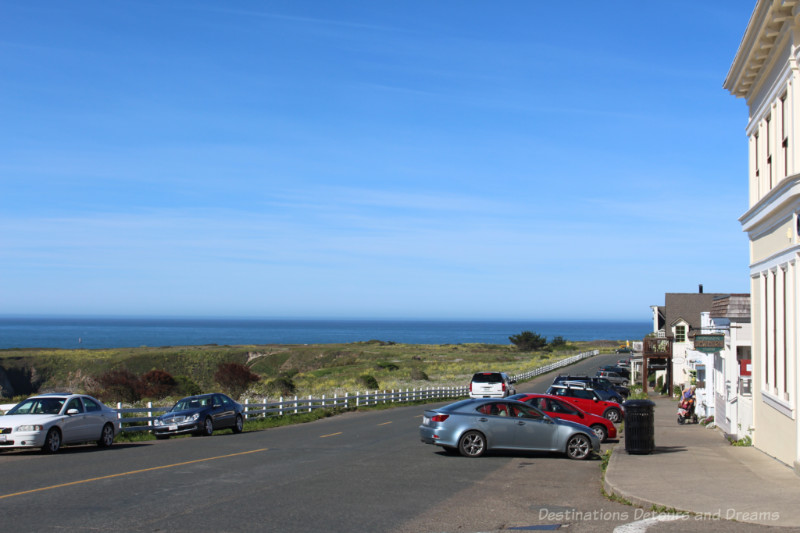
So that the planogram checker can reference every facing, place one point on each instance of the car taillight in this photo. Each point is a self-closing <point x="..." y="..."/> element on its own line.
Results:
<point x="439" y="418"/>
<point x="470" y="386"/>
<point x="504" y="387"/>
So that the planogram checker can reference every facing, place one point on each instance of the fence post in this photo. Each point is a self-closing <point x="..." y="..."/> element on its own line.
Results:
<point x="280" y="408"/>
<point x="149" y="413"/>
<point x="246" y="408"/>
<point x="357" y="399"/>
<point x="309" y="403"/>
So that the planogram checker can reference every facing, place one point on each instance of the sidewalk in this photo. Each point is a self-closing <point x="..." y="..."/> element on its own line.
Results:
<point x="695" y="469"/>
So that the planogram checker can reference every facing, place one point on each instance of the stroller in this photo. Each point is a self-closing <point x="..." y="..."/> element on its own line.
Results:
<point x="686" y="411"/>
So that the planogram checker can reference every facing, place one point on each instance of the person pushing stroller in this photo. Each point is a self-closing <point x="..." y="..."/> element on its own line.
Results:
<point x="687" y="405"/>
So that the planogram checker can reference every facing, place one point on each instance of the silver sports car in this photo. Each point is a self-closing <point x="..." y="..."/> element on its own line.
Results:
<point x="474" y="426"/>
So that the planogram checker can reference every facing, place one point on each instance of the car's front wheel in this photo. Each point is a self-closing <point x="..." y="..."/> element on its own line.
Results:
<point x="52" y="442"/>
<point x="579" y="447"/>
<point x="614" y="415"/>
<point x="106" y="436"/>
<point x="472" y="444"/>
<point x="600" y="431"/>
<point x="238" y="425"/>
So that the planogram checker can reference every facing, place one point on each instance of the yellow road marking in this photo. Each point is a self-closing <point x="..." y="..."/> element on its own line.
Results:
<point x="128" y="473"/>
<point x="330" y="435"/>
<point x="384" y="424"/>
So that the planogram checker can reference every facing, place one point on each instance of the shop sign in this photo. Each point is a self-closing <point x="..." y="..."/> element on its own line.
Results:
<point x="709" y="342"/>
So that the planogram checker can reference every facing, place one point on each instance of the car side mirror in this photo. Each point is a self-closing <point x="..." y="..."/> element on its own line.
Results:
<point x="580" y="415"/>
<point x="596" y="399"/>
<point x="72" y="411"/>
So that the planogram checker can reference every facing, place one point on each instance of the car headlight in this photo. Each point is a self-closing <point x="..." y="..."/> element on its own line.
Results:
<point x="158" y="422"/>
<point x="195" y="416"/>
<point x="30" y="427"/>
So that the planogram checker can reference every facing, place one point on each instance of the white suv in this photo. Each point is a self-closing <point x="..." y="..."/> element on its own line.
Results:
<point x="491" y="385"/>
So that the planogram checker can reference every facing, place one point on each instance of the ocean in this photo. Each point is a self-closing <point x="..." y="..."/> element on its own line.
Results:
<point x="94" y="333"/>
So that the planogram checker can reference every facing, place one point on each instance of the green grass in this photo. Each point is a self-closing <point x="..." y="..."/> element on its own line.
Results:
<point x="316" y="369"/>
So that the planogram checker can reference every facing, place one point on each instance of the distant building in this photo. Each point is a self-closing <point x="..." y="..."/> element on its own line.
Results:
<point x="680" y="318"/>
<point x="765" y="73"/>
<point x="731" y="392"/>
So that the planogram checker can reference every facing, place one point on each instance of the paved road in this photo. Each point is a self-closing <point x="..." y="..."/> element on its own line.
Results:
<point x="354" y="472"/>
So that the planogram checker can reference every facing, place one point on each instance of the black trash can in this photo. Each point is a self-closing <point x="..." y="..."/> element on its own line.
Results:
<point x="639" y="426"/>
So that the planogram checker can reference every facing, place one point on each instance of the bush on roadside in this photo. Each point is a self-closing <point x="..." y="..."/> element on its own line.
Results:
<point x="235" y="378"/>
<point x="185" y="386"/>
<point x="417" y="374"/>
<point x="158" y="384"/>
<point x="368" y="381"/>
<point x="282" y="386"/>
<point x="120" y="385"/>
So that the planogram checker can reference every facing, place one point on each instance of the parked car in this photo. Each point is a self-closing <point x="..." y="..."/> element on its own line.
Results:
<point x="624" y="363"/>
<point x="613" y="377"/>
<point x="558" y="408"/>
<point x="48" y="421"/>
<point x="606" y="389"/>
<point x="623" y="349"/>
<point x="588" y="400"/>
<point x="491" y="385"/>
<point x="200" y="415"/>
<point x="624" y="372"/>
<point x="473" y="427"/>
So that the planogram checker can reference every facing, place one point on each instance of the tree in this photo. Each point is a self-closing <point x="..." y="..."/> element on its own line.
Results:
<point x="558" y="342"/>
<point x="527" y="341"/>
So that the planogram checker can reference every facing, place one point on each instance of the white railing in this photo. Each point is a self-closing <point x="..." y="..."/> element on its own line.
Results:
<point x="297" y="405"/>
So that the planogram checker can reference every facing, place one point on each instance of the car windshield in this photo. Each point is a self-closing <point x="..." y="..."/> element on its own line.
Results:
<point x="190" y="403"/>
<point x="38" y="406"/>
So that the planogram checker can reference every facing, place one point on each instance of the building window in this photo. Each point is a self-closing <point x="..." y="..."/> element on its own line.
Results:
<point x="680" y="333"/>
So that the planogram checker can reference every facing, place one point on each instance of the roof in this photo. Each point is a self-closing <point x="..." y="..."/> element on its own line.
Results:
<point x="734" y="306"/>
<point x="687" y="307"/>
<point x="767" y="27"/>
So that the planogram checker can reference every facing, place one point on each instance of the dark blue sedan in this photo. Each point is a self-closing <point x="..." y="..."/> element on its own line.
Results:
<point x="200" y="415"/>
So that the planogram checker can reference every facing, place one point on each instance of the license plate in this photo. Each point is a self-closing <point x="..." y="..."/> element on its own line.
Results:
<point x="173" y="428"/>
<point x="426" y="420"/>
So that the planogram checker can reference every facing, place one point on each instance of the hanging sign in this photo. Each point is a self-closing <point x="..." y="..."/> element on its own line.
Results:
<point x="709" y="342"/>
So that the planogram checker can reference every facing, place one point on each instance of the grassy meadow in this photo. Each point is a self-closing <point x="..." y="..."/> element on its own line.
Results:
<point x="314" y="369"/>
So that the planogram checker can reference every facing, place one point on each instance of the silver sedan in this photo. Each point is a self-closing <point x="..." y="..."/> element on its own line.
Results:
<point x="473" y="427"/>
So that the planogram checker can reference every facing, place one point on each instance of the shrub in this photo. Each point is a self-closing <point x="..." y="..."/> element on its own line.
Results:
<point x="120" y="386"/>
<point x="185" y="386"/>
<point x="368" y="381"/>
<point x="419" y="374"/>
<point x="234" y="378"/>
<point x="282" y="386"/>
<point x="158" y="384"/>
<point x="527" y="341"/>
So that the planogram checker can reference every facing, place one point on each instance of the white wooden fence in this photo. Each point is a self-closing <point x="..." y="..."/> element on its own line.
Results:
<point x="296" y="405"/>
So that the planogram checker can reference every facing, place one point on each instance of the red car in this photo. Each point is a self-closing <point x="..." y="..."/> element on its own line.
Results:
<point x="558" y="408"/>
<point x="587" y="399"/>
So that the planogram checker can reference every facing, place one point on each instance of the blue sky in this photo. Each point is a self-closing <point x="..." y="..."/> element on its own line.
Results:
<point x="369" y="159"/>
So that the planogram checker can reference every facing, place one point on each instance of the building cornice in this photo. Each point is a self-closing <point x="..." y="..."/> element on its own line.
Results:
<point x="765" y="26"/>
<point x="774" y="206"/>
